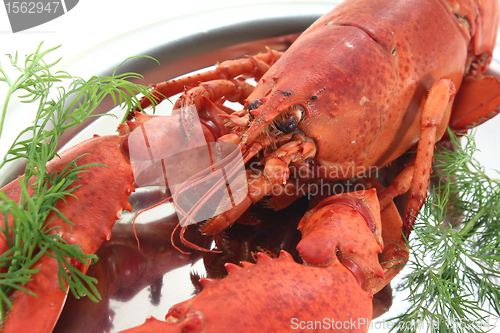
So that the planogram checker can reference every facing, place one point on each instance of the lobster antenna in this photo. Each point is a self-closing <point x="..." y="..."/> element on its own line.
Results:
<point x="192" y="245"/>
<point x="142" y="211"/>
<point x="172" y="240"/>
<point x="201" y="176"/>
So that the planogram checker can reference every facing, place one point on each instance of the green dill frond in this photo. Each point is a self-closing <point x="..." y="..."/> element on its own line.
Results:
<point x="455" y="251"/>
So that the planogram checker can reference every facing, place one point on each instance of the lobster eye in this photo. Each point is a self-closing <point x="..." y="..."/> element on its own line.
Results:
<point x="293" y="115"/>
<point x="289" y="124"/>
<point x="464" y="22"/>
<point x="256" y="103"/>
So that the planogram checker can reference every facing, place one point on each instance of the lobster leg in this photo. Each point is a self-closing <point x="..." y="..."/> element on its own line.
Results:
<point x="258" y="187"/>
<point x="277" y="163"/>
<point x="345" y="228"/>
<point x="253" y="67"/>
<point x="197" y="120"/>
<point x="436" y="111"/>
<point x="345" y="270"/>
<point x="396" y="252"/>
<point x="232" y="90"/>
<point x="468" y="111"/>
<point x="248" y="292"/>
<point x="399" y="186"/>
<point x="272" y="181"/>
<point x="123" y="270"/>
<point x="93" y="226"/>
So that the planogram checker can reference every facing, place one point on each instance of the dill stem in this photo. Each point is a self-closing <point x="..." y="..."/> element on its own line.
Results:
<point x="4" y="110"/>
<point x="12" y="87"/>
<point x="9" y="93"/>
<point x="442" y="268"/>
<point x="470" y="224"/>
<point x="17" y="240"/>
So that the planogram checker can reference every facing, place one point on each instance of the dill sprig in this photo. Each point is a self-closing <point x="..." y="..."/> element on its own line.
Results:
<point x="62" y="101"/>
<point x="455" y="263"/>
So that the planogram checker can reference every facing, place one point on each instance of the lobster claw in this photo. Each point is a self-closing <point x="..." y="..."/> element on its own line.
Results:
<point x="242" y="300"/>
<point x="345" y="228"/>
<point x="89" y="229"/>
<point x="340" y="248"/>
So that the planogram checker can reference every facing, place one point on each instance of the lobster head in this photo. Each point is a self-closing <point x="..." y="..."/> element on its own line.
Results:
<point x="319" y="91"/>
<point x="343" y="72"/>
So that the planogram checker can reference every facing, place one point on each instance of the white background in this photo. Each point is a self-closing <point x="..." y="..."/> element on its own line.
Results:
<point x="92" y="22"/>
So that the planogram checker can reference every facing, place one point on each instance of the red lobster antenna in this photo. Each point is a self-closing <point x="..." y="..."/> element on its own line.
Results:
<point x="230" y="160"/>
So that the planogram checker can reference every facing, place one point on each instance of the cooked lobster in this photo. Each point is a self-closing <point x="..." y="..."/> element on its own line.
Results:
<point x="360" y="87"/>
<point x="328" y="109"/>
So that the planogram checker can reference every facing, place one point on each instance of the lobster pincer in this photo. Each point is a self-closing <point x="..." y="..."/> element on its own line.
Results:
<point x="336" y="281"/>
